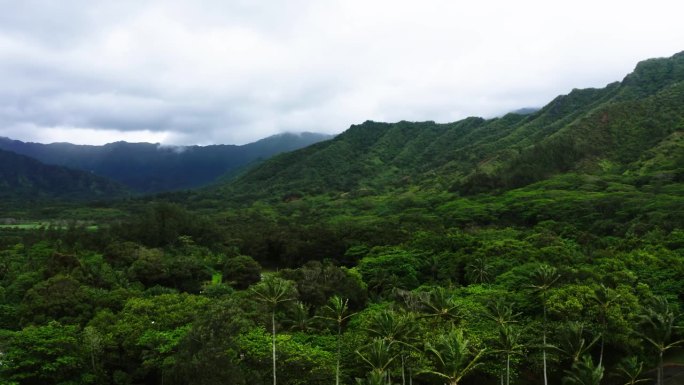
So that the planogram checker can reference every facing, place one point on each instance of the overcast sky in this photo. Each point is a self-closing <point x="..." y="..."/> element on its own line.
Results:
<point x="220" y="71"/>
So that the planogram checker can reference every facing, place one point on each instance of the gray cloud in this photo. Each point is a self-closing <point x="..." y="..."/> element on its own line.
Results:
<point x="215" y="71"/>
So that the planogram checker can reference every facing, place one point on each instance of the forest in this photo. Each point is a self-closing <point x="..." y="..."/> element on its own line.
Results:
<point x="529" y="249"/>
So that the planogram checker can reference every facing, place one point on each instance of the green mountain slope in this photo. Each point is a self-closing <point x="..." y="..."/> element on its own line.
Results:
<point x="587" y="131"/>
<point x="25" y="180"/>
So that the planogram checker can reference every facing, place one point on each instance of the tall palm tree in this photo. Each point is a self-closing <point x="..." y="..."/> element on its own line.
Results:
<point x="299" y="318"/>
<point x="543" y="278"/>
<point x="398" y="329"/>
<point x="479" y="271"/>
<point x="658" y="324"/>
<point x="509" y="345"/>
<point x="584" y="372"/>
<point x="508" y="338"/>
<point x="501" y="312"/>
<point x="273" y="292"/>
<point x="379" y="356"/>
<point x="631" y="368"/>
<point x="374" y="378"/>
<point x="442" y="305"/>
<point x="454" y="356"/>
<point x="604" y="299"/>
<point x="337" y="310"/>
<point x="573" y="342"/>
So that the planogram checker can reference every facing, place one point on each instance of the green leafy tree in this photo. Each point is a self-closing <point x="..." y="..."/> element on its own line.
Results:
<point x="43" y="355"/>
<point x="241" y="271"/>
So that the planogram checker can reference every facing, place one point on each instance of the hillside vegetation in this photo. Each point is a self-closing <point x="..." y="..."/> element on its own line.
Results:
<point x="545" y="248"/>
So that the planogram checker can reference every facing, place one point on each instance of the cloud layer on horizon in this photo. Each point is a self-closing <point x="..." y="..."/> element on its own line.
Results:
<point x="210" y="71"/>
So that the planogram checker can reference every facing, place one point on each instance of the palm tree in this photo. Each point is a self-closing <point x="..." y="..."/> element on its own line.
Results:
<point x="337" y="310"/>
<point x="658" y="323"/>
<point x="584" y="372"/>
<point x="378" y="355"/>
<point x="604" y="300"/>
<point x="374" y="378"/>
<point x="396" y="329"/>
<point x="273" y="292"/>
<point x="479" y="271"/>
<point x="630" y="368"/>
<point x="442" y="305"/>
<point x="299" y="318"/>
<point x="502" y="313"/>
<point x="454" y="357"/>
<point x="509" y="345"/>
<point x="543" y="278"/>
<point x="573" y="343"/>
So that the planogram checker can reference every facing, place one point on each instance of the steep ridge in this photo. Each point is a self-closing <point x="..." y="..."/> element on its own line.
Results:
<point x="588" y="131"/>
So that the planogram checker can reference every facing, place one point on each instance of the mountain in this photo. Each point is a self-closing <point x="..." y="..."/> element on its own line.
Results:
<point x="632" y="129"/>
<point x="28" y="180"/>
<point x="149" y="168"/>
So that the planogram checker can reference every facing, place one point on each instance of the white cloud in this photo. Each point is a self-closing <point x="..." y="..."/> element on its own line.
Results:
<point x="184" y="72"/>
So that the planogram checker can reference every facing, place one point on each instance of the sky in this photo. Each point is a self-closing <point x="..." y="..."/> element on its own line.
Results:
<point x="232" y="72"/>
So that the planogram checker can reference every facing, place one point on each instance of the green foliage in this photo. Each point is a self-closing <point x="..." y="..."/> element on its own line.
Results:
<point x="48" y="354"/>
<point x="566" y="249"/>
<point x="241" y="271"/>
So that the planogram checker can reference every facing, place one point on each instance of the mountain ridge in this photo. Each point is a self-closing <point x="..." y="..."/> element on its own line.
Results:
<point x="152" y="168"/>
<point x="578" y="131"/>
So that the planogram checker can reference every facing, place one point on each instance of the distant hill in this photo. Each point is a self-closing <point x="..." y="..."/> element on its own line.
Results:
<point x="28" y="180"/>
<point x="631" y="128"/>
<point x="151" y="168"/>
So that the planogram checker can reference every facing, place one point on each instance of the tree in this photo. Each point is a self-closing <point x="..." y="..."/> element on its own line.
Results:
<point x="479" y="271"/>
<point x="442" y="305"/>
<point x="93" y="343"/>
<point x="658" y="324"/>
<point x="584" y="372"/>
<point x="43" y="355"/>
<point x="378" y="355"/>
<point x="273" y="292"/>
<point x="543" y="277"/>
<point x="508" y="341"/>
<point x="630" y="369"/>
<point x="604" y="299"/>
<point x="298" y="318"/>
<point x="572" y="342"/>
<point x="509" y="345"/>
<point x="337" y="310"/>
<point x="454" y="358"/>
<point x="397" y="329"/>
<point x="241" y="271"/>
